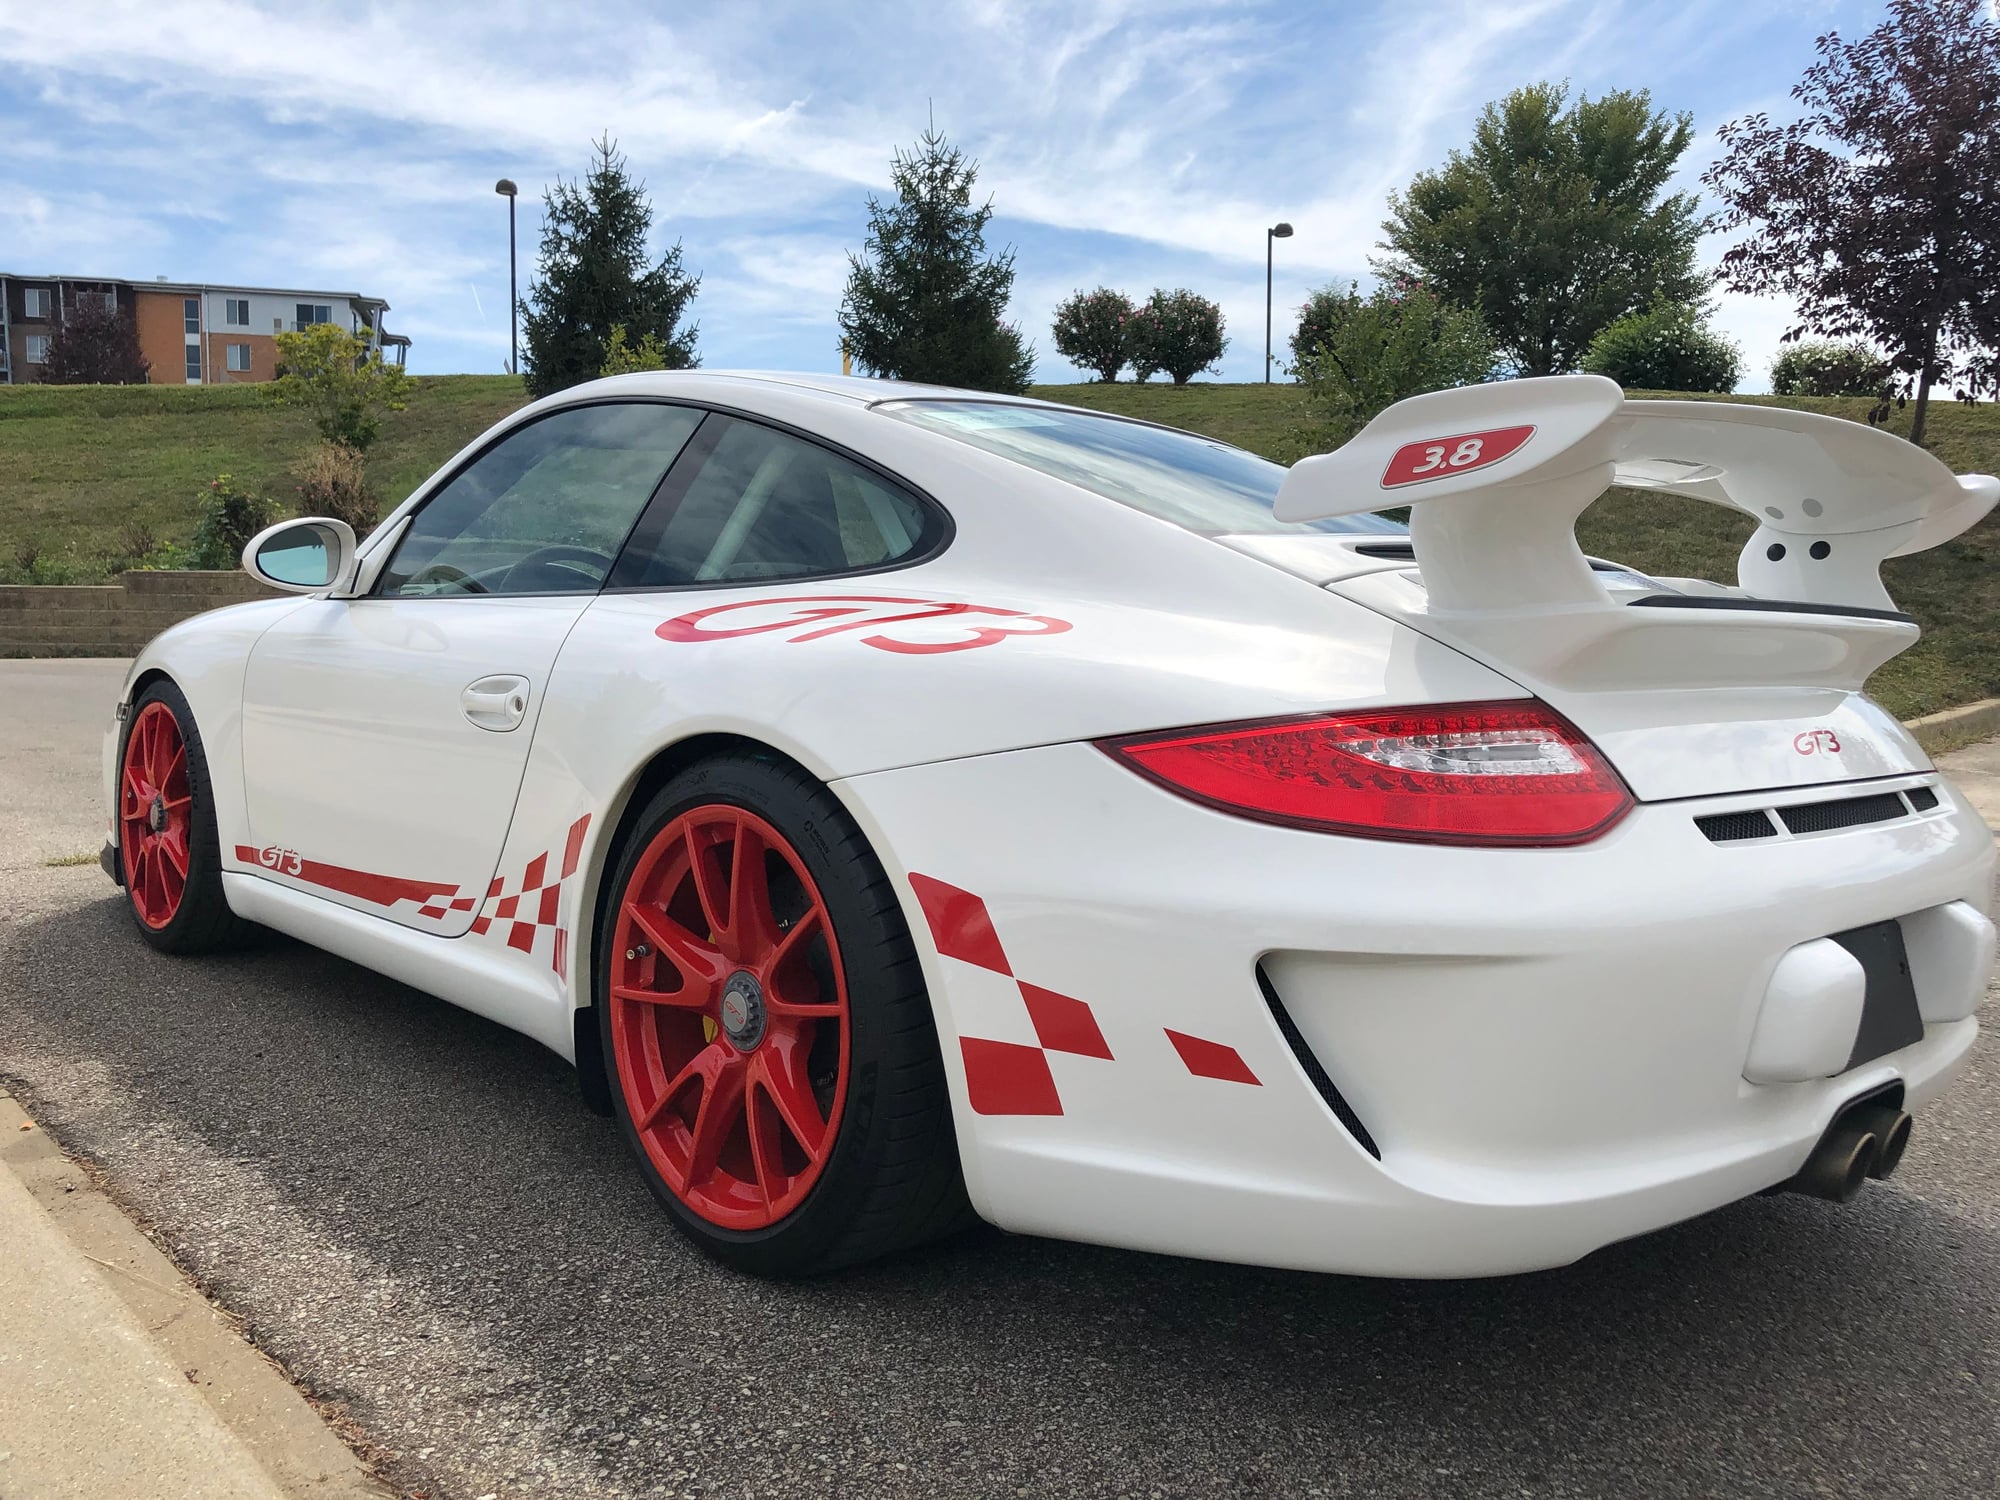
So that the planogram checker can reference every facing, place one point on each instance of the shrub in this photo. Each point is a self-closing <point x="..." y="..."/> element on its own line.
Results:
<point x="621" y="358"/>
<point x="1357" y="355"/>
<point x="342" y="384"/>
<point x="1666" y="348"/>
<point x="229" y="518"/>
<point x="331" y="482"/>
<point x="1179" y="332"/>
<point x="1092" y="331"/>
<point x="94" y="345"/>
<point x="1824" y="367"/>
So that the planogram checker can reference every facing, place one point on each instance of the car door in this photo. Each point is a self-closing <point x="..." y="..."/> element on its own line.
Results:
<point x="384" y="737"/>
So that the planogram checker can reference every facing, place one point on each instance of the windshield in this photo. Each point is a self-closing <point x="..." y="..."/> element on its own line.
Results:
<point x="1192" y="481"/>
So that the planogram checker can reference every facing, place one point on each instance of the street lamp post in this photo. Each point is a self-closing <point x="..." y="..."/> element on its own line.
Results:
<point x="506" y="189"/>
<point x="1278" y="231"/>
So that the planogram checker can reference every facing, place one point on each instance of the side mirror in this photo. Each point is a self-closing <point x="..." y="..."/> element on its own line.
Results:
<point x="302" y="557"/>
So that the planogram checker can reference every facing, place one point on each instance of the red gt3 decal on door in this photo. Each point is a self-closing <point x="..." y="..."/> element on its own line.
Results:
<point x="1010" y="1078"/>
<point x="819" y="615"/>
<point x="382" y="890"/>
<point x="1461" y="453"/>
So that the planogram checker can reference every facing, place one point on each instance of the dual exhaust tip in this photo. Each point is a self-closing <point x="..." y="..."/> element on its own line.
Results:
<point x="1866" y="1141"/>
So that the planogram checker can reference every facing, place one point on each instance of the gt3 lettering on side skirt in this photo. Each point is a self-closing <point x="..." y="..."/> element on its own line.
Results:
<point x="522" y="916"/>
<point x="808" y="613"/>
<point x="1012" y="1078"/>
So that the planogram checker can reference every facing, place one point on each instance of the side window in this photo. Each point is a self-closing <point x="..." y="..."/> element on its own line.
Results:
<point x="765" y="504"/>
<point x="544" y="510"/>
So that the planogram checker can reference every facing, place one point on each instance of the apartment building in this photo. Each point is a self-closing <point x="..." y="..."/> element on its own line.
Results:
<point x="191" y="334"/>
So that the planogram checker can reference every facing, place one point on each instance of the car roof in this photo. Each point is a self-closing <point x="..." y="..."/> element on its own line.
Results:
<point x="855" y="390"/>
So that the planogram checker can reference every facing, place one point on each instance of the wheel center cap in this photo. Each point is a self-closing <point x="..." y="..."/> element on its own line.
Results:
<point x="156" y="815"/>
<point x="743" y="1011"/>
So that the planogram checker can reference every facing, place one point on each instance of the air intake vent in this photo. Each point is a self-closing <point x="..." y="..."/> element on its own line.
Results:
<point x="1848" y="812"/>
<point x="1922" y="798"/>
<point x="1342" y="1110"/>
<point x="1725" y="828"/>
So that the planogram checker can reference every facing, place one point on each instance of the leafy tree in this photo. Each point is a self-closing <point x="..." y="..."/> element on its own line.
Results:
<point x="1877" y="207"/>
<point x="1666" y="348"/>
<point x="927" y="302"/>
<point x="1092" y="331"/>
<point x="343" y="385"/>
<point x="1825" y="367"/>
<point x="95" y="345"/>
<point x="621" y="358"/>
<point x="1358" y="355"/>
<point x="1180" y="332"/>
<point x="1551" y="225"/>
<point x="595" y="276"/>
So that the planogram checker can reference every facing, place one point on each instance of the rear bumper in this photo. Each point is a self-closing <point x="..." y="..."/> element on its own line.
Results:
<point x="1547" y="1046"/>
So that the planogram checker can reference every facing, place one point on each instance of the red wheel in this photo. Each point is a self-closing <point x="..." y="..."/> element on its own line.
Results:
<point x="729" y="1016"/>
<point x="155" y="816"/>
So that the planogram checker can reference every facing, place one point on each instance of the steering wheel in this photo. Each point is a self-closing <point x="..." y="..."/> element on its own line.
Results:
<point x="595" y="565"/>
<point x="445" y="573"/>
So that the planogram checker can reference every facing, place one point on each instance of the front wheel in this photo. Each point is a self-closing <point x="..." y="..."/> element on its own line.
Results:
<point x="167" y="846"/>
<point x="773" y="1060"/>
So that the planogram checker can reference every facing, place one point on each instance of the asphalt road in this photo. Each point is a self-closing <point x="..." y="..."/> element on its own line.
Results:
<point x="412" y="1212"/>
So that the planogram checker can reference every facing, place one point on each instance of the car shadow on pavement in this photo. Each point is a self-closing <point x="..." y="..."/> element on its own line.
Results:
<point x="1778" y="1346"/>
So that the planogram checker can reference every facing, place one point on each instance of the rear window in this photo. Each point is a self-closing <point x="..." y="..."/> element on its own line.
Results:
<point x="1192" y="481"/>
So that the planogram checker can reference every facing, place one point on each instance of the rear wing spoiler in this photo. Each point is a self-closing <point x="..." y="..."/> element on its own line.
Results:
<point x="1496" y="475"/>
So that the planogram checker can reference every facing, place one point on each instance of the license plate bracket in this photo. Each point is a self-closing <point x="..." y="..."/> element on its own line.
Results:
<point x="1890" y="1017"/>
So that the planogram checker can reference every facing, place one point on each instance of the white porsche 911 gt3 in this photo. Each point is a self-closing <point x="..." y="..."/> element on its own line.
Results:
<point x="904" y="804"/>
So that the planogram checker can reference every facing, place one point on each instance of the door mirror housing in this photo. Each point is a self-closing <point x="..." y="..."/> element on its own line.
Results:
<point x="302" y="557"/>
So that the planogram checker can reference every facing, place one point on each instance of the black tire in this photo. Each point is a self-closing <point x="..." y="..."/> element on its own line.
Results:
<point x="891" y="1180"/>
<point x="202" y="921"/>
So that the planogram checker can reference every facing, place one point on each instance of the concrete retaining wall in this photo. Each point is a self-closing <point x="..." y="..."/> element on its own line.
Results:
<point x="113" y="619"/>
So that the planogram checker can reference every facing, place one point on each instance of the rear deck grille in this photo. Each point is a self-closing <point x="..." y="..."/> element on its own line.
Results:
<point x="1846" y="812"/>
<point x="1816" y="817"/>
<point x="1726" y="828"/>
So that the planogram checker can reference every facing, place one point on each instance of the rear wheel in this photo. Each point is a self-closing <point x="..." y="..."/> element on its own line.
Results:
<point x="167" y="845"/>
<point x="772" y="1056"/>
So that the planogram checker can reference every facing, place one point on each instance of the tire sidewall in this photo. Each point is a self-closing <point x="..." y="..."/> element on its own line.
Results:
<point x="758" y="787"/>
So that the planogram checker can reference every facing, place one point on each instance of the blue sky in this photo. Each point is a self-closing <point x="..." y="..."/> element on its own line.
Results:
<point x="1135" y="143"/>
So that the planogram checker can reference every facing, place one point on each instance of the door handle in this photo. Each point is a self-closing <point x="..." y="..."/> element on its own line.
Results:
<point x="496" y="703"/>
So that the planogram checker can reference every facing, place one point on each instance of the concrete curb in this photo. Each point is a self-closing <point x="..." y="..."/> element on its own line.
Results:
<point x="1956" y="727"/>
<point x="138" y="1385"/>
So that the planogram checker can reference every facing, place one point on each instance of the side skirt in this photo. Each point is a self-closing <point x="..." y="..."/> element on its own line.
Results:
<point x="459" y="970"/>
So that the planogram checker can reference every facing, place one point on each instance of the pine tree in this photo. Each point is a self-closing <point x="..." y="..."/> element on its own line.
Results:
<point x="928" y="303"/>
<point x="595" y="277"/>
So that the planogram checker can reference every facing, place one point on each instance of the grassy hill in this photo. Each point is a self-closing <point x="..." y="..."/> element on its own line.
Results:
<point x="92" y="475"/>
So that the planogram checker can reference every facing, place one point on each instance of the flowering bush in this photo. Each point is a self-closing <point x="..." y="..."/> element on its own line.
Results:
<point x="1179" y="332"/>
<point x="1822" y="367"/>
<point x="1666" y="348"/>
<point x="1092" y="330"/>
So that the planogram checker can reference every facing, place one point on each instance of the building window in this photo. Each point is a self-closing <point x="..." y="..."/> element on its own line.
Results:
<point x="194" y="364"/>
<point x="191" y="314"/>
<point x="107" y="301"/>
<point x="236" y="312"/>
<point x="38" y="349"/>
<point x="239" y="358"/>
<point x="35" y="302"/>
<point x="314" y="312"/>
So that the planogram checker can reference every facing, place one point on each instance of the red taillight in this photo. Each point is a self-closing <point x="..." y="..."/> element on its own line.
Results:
<point x="1465" y="773"/>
